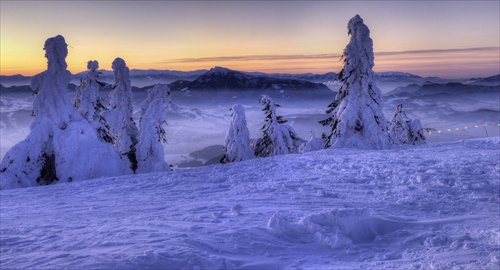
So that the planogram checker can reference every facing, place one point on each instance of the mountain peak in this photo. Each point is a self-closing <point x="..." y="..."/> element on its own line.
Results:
<point x="219" y="70"/>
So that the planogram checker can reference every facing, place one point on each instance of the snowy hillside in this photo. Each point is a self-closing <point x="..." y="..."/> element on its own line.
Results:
<point x="425" y="207"/>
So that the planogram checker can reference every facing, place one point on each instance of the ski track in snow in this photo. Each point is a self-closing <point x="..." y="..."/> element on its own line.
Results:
<point x="425" y="207"/>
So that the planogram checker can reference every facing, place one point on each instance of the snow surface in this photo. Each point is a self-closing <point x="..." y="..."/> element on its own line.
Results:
<point x="413" y="207"/>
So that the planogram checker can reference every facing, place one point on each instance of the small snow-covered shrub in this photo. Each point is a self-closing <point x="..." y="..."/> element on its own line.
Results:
<point x="403" y="130"/>
<point x="278" y="138"/>
<point x="237" y="143"/>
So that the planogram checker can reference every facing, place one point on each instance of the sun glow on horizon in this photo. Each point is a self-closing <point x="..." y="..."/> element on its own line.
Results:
<point x="273" y="37"/>
<point x="454" y="63"/>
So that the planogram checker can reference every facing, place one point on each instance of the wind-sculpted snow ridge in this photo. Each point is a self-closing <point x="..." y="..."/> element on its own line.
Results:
<point x="412" y="207"/>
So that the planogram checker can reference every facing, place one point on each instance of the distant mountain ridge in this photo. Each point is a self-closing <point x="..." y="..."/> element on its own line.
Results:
<point x="491" y="81"/>
<point x="142" y="78"/>
<point x="317" y="78"/>
<point x="445" y="88"/>
<point x="219" y="78"/>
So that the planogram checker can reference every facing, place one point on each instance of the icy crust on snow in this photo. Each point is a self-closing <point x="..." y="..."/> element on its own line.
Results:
<point x="414" y="207"/>
<point x="62" y="146"/>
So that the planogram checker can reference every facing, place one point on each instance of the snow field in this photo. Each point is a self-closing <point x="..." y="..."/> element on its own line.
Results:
<point x="414" y="207"/>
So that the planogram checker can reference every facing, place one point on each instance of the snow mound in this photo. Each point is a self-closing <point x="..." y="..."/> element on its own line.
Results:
<point x="336" y="228"/>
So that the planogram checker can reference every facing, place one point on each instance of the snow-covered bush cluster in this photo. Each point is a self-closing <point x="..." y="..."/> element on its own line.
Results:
<point x="403" y="130"/>
<point x="84" y="139"/>
<point x="356" y="113"/>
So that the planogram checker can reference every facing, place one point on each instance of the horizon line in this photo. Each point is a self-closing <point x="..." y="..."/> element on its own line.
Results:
<point x="264" y="57"/>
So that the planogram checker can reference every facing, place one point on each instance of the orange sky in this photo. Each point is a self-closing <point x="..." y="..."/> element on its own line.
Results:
<point x="446" y="38"/>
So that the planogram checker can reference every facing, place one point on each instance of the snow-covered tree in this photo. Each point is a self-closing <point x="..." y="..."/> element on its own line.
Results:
<point x="237" y="143"/>
<point x="357" y="119"/>
<point x="89" y="104"/>
<point x="119" y="116"/>
<point x="416" y="132"/>
<point x="62" y="146"/>
<point x="277" y="138"/>
<point x="403" y="130"/>
<point x="159" y="90"/>
<point x="150" y="153"/>
<point x="314" y="144"/>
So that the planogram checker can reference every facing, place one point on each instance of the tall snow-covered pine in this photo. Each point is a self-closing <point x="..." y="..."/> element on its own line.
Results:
<point x="159" y="90"/>
<point x="237" y="143"/>
<point x="357" y="119"/>
<point x="119" y="116"/>
<point x="89" y="104"/>
<point x="149" y="150"/>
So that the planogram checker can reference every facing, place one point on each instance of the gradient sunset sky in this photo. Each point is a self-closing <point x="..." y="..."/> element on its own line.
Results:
<point x="449" y="39"/>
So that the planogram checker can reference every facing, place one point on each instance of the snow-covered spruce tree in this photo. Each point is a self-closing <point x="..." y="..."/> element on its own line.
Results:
<point x="403" y="130"/>
<point x="149" y="150"/>
<point x="314" y="144"/>
<point x="357" y="119"/>
<point x="119" y="116"/>
<point x="62" y="146"/>
<point x="90" y="105"/>
<point x="159" y="90"/>
<point x="277" y="138"/>
<point x="237" y="143"/>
